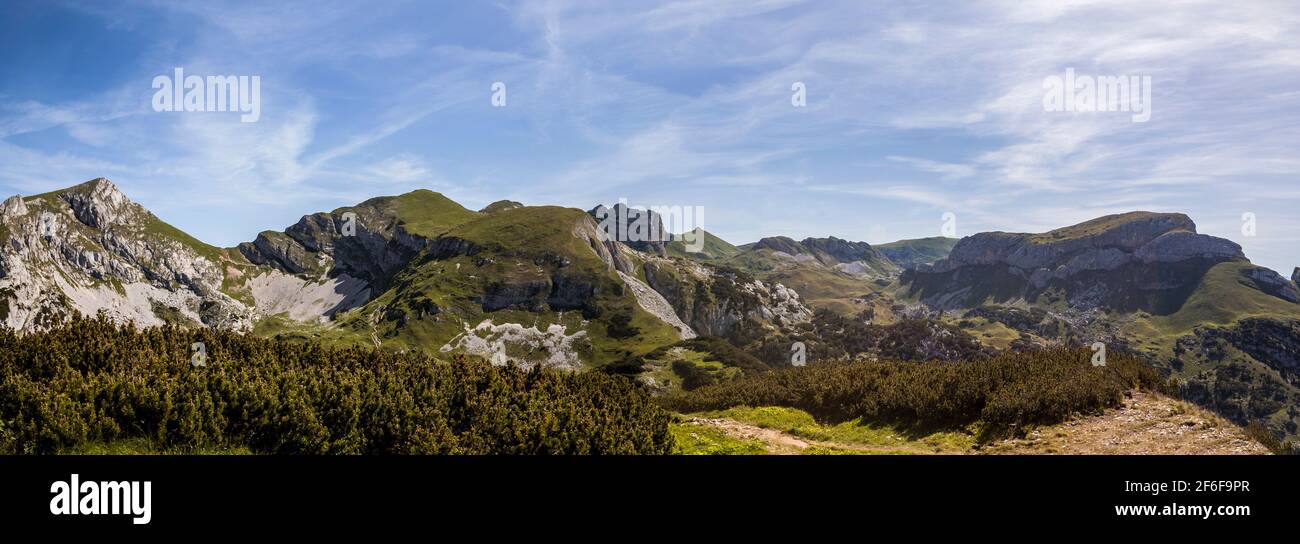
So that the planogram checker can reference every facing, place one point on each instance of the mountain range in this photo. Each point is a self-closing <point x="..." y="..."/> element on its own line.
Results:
<point x="542" y="285"/>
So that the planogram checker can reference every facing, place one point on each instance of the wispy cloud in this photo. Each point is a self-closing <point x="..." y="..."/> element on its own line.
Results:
<point x="911" y="110"/>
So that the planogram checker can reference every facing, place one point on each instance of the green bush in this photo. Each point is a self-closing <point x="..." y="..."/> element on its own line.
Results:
<point x="1003" y="392"/>
<point x="89" y="381"/>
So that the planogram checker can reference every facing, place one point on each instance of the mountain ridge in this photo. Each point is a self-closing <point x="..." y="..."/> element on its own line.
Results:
<point x="541" y="285"/>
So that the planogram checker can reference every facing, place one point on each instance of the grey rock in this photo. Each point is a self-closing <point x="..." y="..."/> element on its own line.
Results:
<point x="1183" y="245"/>
<point x="1271" y="282"/>
<point x="1078" y="258"/>
<point x="98" y="203"/>
<point x="13" y="207"/>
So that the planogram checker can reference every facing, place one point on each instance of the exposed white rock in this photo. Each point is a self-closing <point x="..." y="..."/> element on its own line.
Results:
<point x="655" y="303"/>
<point x="103" y="254"/>
<point x="13" y="208"/>
<point x="276" y="293"/>
<point x="780" y="303"/>
<point x="512" y="343"/>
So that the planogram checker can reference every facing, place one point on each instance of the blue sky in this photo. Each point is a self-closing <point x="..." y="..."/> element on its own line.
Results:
<point x="913" y="110"/>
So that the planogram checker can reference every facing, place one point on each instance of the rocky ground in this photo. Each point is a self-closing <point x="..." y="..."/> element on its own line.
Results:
<point x="1148" y="424"/>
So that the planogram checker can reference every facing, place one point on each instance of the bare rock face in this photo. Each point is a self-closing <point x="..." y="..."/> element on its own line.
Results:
<point x="1138" y="260"/>
<point x="1272" y="283"/>
<point x="366" y="245"/>
<point x="611" y="252"/>
<point x="641" y="229"/>
<point x="716" y="302"/>
<point x="1178" y="246"/>
<point x="90" y="249"/>
<point x="779" y="243"/>
<point x="13" y="207"/>
<point x="99" y="204"/>
<point x="853" y="258"/>
<point x="843" y="251"/>
<point x="1295" y="275"/>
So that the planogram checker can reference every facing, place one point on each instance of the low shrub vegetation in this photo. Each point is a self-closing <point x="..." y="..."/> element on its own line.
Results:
<point x="1001" y="394"/>
<point x="90" y="382"/>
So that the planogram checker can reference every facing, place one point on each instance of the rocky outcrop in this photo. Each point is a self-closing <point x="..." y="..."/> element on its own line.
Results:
<point x="779" y="243"/>
<point x="1247" y="372"/>
<point x="500" y="206"/>
<point x="1271" y="282"/>
<point x="651" y="301"/>
<point x="14" y="207"/>
<point x="1139" y="260"/>
<point x="722" y="302"/>
<point x="362" y="242"/>
<point x="89" y="249"/>
<point x="858" y="259"/>
<point x="1180" y="246"/>
<point x="640" y="229"/>
<point x="514" y="344"/>
<point x="843" y="251"/>
<point x="99" y="204"/>
<point x="611" y="252"/>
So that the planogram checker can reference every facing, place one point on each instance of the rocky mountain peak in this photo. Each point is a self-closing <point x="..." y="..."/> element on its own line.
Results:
<point x="98" y="203"/>
<point x="842" y="250"/>
<point x="640" y="229"/>
<point x="13" y="207"/>
<point x="106" y="254"/>
<point x="1123" y="259"/>
<point x="500" y="206"/>
<point x="1105" y="241"/>
<point x="783" y="244"/>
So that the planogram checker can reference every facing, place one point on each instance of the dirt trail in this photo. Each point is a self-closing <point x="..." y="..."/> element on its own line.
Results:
<point x="1148" y="424"/>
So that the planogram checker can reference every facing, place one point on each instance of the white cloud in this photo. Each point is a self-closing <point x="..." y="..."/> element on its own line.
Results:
<point x="402" y="168"/>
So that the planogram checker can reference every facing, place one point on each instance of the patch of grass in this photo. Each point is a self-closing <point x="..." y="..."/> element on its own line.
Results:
<point x="855" y="431"/>
<point x="1221" y="298"/>
<point x="917" y="251"/>
<point x="158" y="227"/>
<point x="714" y="248"/>
<point x="705" y="440"/>
<point x="990" y="333"/>
<point x="1100" y="225"/>
<point x="429" y="214"/>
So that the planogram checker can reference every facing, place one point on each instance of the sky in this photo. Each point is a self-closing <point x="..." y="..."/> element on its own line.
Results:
<point x="910" y="111"/>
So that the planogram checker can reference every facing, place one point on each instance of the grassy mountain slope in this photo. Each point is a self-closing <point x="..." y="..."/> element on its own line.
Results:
<point x="916" y="251"/>
<point x="523" y="265"/>
<point x="1222" y="297"/>
<point x="819" y="282"/>
<point x="713" y="249"/>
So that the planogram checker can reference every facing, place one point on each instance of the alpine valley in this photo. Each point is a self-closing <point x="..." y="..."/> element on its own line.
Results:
<point x="541" y="286"/>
